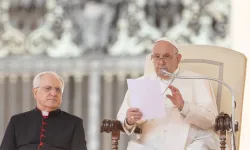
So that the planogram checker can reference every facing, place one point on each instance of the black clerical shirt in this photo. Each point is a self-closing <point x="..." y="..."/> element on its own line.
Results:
<point x="33" y="131"/>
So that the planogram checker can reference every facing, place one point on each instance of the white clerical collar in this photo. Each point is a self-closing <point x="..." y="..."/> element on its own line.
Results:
<point x="45" y="113"/>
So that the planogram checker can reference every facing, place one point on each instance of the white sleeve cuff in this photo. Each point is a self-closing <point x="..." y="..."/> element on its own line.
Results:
<point x="127" y="126"/>
<point x="129" y="129"/>
<point x="185" y="110"/>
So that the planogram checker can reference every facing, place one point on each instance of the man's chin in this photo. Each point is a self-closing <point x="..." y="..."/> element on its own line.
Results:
<point x="53" y="107"/>
<point x="52" y="104"/>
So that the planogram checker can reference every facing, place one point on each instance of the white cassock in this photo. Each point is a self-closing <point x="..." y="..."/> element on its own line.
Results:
<point x="189" y="129"/>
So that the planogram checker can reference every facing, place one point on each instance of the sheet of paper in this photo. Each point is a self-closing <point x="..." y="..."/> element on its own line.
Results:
<point x="145" y="94"/>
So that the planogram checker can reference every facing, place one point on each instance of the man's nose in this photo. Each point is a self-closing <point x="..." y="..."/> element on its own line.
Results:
<point x="161" y="62"/>
<point x="53" y="92"/>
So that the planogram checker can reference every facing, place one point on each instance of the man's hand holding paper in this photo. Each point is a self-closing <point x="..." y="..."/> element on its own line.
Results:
<point x="133" y="115"/>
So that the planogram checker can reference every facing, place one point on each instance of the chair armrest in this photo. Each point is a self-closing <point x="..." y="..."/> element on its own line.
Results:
<point x="109" y="125"/>
<point x="115" y="127"/>
<point x="223" y="124"/>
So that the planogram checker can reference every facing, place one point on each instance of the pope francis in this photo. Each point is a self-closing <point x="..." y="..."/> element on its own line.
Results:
<point x="189" y="104"/>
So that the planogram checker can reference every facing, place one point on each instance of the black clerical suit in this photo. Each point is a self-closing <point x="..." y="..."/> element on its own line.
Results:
<point x="33" y="131"/>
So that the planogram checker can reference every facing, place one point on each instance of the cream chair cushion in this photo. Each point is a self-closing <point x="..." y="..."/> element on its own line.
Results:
<point x="220" y="63"/>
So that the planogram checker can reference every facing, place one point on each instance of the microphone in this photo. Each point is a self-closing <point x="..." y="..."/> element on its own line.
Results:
<point x="165" y="72"/>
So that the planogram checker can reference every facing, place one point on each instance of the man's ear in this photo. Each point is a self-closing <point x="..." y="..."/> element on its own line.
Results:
<point x="35" y="90"/>
<point x="179" y="56"/>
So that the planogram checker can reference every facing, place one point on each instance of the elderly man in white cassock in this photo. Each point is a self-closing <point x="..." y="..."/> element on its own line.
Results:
<point x="189" y="104"/>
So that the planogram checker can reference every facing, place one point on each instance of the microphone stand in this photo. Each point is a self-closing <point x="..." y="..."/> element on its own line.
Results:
<point x="223" y="122"/>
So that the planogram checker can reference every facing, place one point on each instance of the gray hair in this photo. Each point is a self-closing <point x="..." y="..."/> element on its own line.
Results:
<point x="36" y="80"/>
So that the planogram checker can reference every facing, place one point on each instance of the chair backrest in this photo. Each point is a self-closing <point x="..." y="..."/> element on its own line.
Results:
<point x="220" y="63"/>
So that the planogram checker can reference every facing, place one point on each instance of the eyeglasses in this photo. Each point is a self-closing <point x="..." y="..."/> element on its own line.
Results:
<point x="166" y="57"/>
<point x="50" y="88"/>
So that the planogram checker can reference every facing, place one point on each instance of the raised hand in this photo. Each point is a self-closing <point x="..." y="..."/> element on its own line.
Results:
<point x="176" y="97"/>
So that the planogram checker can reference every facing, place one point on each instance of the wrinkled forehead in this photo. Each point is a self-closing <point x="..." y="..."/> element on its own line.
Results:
<point x="162" y="47"/>
<point x="50" y="80"/>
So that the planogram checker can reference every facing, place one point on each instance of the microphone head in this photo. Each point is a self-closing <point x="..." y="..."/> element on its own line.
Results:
<point x="165" y="72"/>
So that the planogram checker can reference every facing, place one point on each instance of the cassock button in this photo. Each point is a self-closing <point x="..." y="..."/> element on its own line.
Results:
<point x="43" y="135"/>
<point x="43" y="130"/>
<point x="41" y="144"/>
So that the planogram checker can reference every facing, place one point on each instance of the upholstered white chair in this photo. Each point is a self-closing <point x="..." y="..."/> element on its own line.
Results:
<point x="217" y="62"/>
